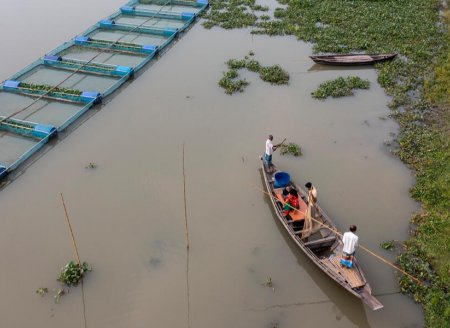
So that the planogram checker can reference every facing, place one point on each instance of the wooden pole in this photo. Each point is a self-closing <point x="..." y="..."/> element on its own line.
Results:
<point x="185" y="204"/>
<point x="71" y="231"/>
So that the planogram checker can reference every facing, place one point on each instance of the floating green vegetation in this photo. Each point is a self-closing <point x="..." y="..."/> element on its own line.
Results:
<point x="46" y="88"/>
<point x="230" y="82"/>
<point x="58" y="293"/>
<point x="274" y="74"/>
<point x="230" y="14"/>
<point x="291" y="148"/>
<point x="269" y="282"/>
<point x="388" y="245"/>
<point x="340" y="87"/>
<point x="42" y="291"/>
<point x="91" y="165"/>
<point x="72" y="273"/>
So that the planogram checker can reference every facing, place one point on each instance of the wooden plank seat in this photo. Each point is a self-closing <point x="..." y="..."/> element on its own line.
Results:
<point x="322" y="242"/>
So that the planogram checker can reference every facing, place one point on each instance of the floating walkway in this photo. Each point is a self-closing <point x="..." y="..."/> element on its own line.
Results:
<point x="50" y="94"/>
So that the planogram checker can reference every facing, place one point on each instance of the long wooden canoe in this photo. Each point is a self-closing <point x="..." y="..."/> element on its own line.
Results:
<point x="352" y="59"/>
<point x="324" y="247"/>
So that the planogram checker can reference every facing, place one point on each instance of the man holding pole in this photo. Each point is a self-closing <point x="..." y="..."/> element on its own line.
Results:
<point x="270" y="148"/>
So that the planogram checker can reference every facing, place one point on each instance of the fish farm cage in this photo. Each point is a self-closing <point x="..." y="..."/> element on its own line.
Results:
<point x="51" y="93"/>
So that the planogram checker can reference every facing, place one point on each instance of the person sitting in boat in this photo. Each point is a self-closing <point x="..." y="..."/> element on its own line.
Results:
<point x="286" y="192"/>
<point x="292" y="203"/>
<point x="350" y="240"/>
<point x="270" y="148"/>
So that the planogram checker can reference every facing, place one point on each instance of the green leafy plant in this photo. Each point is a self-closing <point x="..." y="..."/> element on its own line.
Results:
<point x="91" y="165"/>
<point x="230" y="82"/>
<point x="273" y="74"/>
<point x="42" y="291"/>
<point x="58" y="293"/>
<point x="340" y="87"/>
<point x="55" y="90"/>
<point x="388" y="245"/>
<point x="230" y="14"/>
<point x="291" y="148"/>
<point x="72" y="273"/>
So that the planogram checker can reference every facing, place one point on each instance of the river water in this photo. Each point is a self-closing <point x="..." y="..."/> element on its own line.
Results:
<point x="128" y="212"/>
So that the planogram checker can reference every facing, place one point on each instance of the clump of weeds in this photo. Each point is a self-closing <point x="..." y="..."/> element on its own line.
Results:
<point x="291" y="148"/>
<point x="232" y="84"/>
<point x="340" y="87"/>
<point x="91" y="165"/>
<point x="230" y="14"/>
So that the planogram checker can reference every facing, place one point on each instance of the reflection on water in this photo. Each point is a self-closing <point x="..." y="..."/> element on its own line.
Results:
<point x="128" y="213"/>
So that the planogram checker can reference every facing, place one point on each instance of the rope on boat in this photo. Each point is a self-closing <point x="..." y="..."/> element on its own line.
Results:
<point x="360" y="246"/>
<point x="83" y="65"/>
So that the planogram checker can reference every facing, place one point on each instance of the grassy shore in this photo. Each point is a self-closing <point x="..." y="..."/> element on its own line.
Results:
<point x="419" y="83"/>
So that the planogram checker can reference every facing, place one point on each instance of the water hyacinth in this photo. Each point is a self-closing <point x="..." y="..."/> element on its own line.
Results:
<point x="230" y="14"/>
<point x="291" y="148"/>
<point x="272" y="74"/>
<point x="72" y="273"/>
<point x="340" y="87"/>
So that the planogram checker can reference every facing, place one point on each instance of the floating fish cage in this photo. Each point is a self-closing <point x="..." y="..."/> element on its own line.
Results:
<point x="50" y="94"/>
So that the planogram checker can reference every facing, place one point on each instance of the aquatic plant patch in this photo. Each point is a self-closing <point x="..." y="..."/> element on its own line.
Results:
<point x="291" y="148"/>
<point x="42" y="291"/>
<point x="230" y="14"/>
<point x="272" y="74"/>
<point x="43" y="87"/>
<point x="72" y="273"/>
<point x="340" y="87"/>
<point x="231" y="83"/>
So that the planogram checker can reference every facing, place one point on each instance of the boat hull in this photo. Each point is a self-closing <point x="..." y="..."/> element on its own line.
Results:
<point x="352" y="59"/>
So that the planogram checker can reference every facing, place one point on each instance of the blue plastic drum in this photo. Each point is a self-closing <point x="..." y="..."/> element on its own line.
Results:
<point x="281" y="179"/>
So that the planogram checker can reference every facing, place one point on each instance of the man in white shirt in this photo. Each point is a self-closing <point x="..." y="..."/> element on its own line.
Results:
<point x="270" y="148"/>
<point x="350" y="241"/>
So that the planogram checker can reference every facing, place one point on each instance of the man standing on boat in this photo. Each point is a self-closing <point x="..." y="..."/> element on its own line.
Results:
<point x="270" y="148"/>
<point x="310" y="225"/>
<point x="350" y="240"/>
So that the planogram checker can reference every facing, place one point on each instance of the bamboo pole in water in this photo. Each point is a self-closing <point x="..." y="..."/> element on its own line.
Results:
<point x="71" y="232"/>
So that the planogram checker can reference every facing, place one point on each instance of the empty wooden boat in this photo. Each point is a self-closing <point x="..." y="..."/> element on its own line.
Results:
<point x="352" y="59"/>
<point x="324" y="245"/>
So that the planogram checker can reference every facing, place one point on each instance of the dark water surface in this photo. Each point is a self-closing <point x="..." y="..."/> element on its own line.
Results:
<point x="128" y="213"/>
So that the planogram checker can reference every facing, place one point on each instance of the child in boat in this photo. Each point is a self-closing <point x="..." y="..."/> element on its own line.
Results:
<point x="291" y="202"/>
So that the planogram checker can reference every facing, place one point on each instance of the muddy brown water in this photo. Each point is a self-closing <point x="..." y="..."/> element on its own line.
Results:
<point x="128" y="213"/>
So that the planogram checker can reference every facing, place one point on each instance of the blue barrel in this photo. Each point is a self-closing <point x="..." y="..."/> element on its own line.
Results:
<point x="281" y="179"/>
<point x="3" y="171"/>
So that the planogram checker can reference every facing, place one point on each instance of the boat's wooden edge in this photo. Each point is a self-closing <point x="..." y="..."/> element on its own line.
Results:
<point x="370" y="300"/>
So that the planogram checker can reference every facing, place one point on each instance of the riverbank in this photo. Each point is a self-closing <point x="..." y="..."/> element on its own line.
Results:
<point x="419" y="85"/>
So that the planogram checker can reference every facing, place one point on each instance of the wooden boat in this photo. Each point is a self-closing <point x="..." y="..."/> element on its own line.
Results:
<point x="323" y="247"/>
<point x="352" y="59"/>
